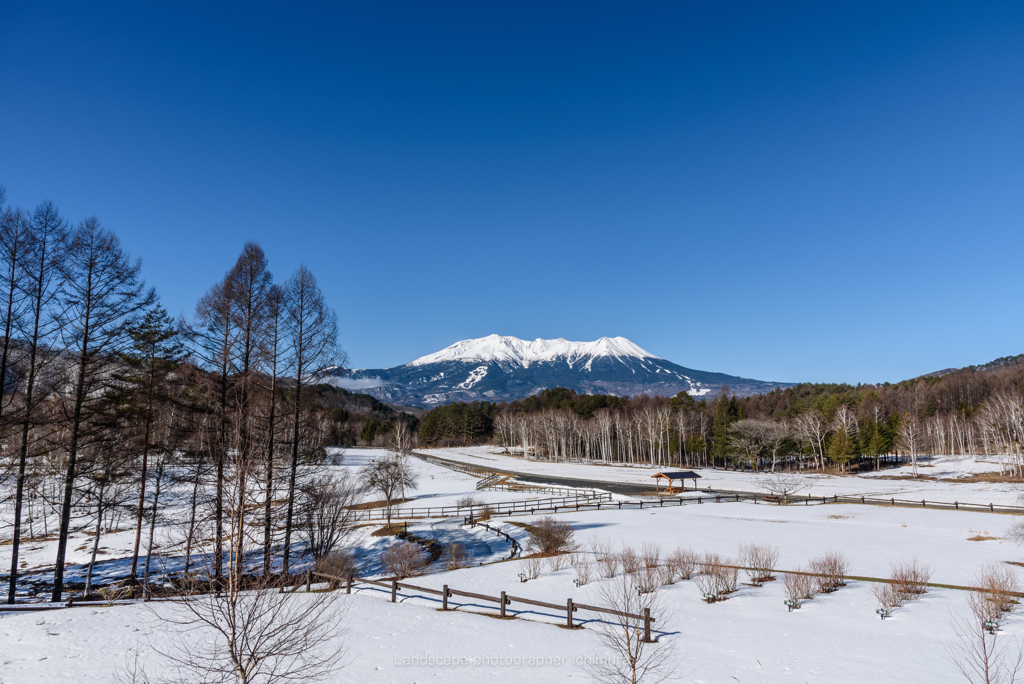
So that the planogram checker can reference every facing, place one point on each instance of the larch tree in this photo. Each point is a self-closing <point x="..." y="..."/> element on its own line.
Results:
<point x="274" y="354"/>
<point x="104" y="296"/>
<point x="213" y="340"/>
<point x="141" y="387"/>
<point x="251" y="287"/>
<point x="312" y="331"/>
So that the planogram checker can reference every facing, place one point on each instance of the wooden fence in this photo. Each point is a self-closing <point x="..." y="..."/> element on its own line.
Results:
<point x="502" y="508"/>
<point x="503" y="600"/>
<point x="509" y="538"/>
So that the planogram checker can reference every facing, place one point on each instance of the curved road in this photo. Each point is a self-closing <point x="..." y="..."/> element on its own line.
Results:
<point x="624" y="488"/>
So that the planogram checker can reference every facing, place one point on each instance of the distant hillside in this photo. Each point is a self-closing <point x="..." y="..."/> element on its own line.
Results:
<point x="1000" y="364"/>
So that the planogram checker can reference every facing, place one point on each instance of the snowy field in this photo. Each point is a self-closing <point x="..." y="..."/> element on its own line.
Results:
<point x="938" y="481"/>
<point x="750" y="637"/>
<point x="436" y="487"/>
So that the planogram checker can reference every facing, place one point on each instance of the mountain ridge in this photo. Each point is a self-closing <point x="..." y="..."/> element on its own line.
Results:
<point x="503" y="368"/>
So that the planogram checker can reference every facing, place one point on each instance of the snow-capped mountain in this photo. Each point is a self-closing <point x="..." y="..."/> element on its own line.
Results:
<point x="517" y="352"/>
<point x="498" y="368"/>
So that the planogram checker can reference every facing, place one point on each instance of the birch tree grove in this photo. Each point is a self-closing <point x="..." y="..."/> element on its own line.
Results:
<point x="967" y="413"/>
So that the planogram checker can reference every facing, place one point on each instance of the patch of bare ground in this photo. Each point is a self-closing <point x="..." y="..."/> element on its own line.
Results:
<point x="366" y="505"/>
<point x="981" y="537"/>
<point x="991" y="478"/>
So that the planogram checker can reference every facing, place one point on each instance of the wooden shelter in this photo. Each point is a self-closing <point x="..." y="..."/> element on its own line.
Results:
<point x="670" y="475"/>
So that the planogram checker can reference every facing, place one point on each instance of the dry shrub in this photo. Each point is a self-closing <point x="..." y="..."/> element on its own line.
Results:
<point x="609" y="565"/>
<point x="583" y="567"/>
<point x="666" y="574"/>
<point x="549" y="536"/>
<point x="728" y="579"/>
<point x="759" y="562"/>
<point x="601" y="547"/>
<point x="112" y="594"/>
<point x="631" y="562"/>
<point x="456" y="556"/>
<point x="797" y="587"/>
<point x="889" y="596"/>
<point x="467" y="501"/>
<point x="651" y="554"/>
<point x="404" y="559"/>
<point x="706" y="586"/>
<point x="558" y="561"/>
<point x="338" y="564"/>
<point x="996" y="594"/>
<point x="484" y="513"/>
<point x="683" y="562"/>
<point x="646" y="580"/>
<point x="910" y="579"/>
<point x="532" y="566"/>
<point x="830" y="571"/>
<point x="1015" y="534"/>
<point x="717" y="577"/>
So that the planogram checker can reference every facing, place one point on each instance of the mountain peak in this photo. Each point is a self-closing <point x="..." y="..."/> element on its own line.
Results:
<point x="512" y="350"/>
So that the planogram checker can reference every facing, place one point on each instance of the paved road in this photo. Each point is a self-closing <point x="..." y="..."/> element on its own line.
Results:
<point x="624" y="488"/>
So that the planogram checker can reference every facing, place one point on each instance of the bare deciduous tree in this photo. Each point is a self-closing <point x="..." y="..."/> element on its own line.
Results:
<point x="783" y="485"/>
<point x="983" y="656"/>
<point x="258" y="634"/>
<point x="633" y="659"/>
<point x="388" y="476"/>
<point x="326" y="516"/>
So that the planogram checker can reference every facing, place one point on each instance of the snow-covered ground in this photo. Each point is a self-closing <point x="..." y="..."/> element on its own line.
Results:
<point x="748" y="638"/>
<point x="436" y="487"/>
<point x="945" y="487"/>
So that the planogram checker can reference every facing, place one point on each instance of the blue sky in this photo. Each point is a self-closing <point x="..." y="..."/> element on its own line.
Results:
<point x="785" y="191"/>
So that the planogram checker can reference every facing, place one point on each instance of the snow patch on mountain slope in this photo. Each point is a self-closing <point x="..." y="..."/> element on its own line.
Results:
<point x="475" y="376"/>
<point x="512" y="350"/>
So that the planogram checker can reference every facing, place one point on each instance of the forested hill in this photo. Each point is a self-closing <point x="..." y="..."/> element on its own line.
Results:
<point x="969" y="410"/>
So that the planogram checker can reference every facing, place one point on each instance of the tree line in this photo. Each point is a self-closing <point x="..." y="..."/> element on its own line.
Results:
<point x="972" y="411"/>
<point x="107" y="401"/>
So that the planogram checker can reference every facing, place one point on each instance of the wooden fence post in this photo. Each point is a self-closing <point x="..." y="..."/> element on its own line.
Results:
<point x="348" y="585"/>
<point x="309" y="580"/>
<point x="503" y="600"/>
<point x="394" y="590"/>
<point x="444" y="598"/>
<point x="568" y="613"/>
<point x="647" y="625"/>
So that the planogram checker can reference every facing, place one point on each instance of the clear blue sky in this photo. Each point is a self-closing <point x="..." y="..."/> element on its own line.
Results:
<point x="816" y="191"/>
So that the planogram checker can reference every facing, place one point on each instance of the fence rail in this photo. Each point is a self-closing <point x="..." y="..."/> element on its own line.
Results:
<point x="509" y="538"/>
<point x="503" y="600"/>
<point x="501" y="508"/>
<point x="605" y="502"/>
<point x="922" y="503"/>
